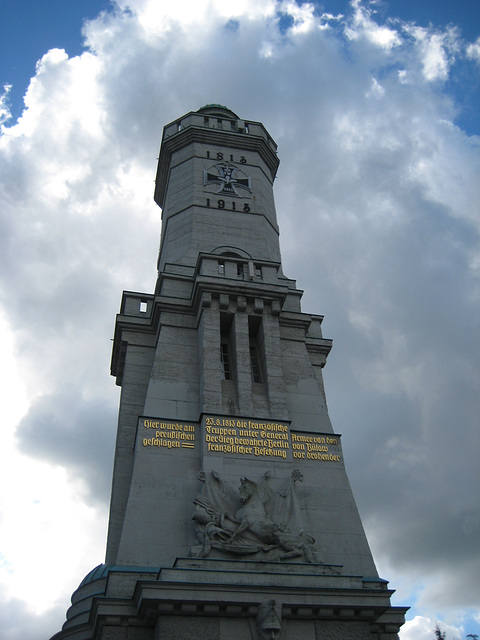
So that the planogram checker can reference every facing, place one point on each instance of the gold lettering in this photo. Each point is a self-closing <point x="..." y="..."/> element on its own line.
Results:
<point x="327" y="457"/>
<point x="264" y="451"/>
<point x="316" y="447"/>
<point x="150" y="424"/>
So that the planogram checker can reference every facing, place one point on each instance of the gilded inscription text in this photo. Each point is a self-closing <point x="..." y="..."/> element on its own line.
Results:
<point x="246" y="437"/>
<point x="315" y="447"/>
<point x="169" y="435"/>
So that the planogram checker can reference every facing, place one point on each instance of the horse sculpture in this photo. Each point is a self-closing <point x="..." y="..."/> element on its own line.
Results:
<point x="267" y="522"/>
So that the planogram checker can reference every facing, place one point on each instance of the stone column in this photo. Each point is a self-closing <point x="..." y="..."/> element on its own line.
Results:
<point x="274" y="369"/>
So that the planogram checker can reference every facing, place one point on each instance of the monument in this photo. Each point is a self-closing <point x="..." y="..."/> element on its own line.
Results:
<point x="231" y="513"/>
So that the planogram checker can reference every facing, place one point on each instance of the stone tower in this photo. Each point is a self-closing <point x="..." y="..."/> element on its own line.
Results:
<point x="231" y="513"/>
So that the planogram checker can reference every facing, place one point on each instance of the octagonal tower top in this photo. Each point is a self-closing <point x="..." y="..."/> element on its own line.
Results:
<point x="213" y="124"/>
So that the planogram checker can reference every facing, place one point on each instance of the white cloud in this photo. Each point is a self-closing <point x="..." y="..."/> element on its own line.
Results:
<point x="473" y="50"/>
<point x="303" y="16"/>
<point x="157" y="19"/>
<point x="423" y="629"/>
<point x="377" y="196"/>
<point x="376" y="90"/>
<point x="437" y="50"/>
<point x="5" y="113"/>
<point x="362" y="25"/>
<point x="43" y="491"/>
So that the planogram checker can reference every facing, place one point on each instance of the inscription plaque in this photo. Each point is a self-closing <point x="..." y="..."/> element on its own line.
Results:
<point x="166" y="434"/>
<point x="244" y="436"/>
<point x="256" y="439"/>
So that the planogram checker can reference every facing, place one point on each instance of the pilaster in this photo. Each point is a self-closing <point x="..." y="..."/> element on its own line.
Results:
<point x="242" y="357"/>
<point x="274" y="368"/>
<point x="209" y="356"/>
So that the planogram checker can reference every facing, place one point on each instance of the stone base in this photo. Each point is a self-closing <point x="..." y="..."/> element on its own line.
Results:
<point x="206" y="599"/>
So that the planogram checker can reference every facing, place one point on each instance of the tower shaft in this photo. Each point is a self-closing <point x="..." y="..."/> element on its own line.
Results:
<point x="231" y="512"/>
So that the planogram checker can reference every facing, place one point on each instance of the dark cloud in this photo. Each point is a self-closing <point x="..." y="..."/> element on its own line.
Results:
<point x="75" y="432"/>
<point x="20" y="623"/>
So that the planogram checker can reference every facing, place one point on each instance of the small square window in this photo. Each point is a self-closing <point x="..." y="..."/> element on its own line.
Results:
<point x="143" y="306"/>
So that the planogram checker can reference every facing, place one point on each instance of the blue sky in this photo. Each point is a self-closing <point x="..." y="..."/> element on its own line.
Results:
<point x="374" y="106"/>
<point x="29" y="28"/>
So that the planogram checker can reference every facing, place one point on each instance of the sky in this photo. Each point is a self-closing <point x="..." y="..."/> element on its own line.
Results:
<point x="374" y="107"/>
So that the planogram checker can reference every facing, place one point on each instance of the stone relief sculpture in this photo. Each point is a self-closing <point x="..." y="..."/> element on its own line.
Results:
<point x="269" y="620"/>
<point x="256" y="521"/>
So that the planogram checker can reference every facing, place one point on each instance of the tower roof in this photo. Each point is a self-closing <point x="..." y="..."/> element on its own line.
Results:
<point x="217" y="110"/>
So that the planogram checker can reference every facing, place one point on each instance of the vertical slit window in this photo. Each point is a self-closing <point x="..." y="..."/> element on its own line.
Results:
<point x="227" y="350"/>
<point x="226" y="372"/>
<point x="255" y="364"/>
<point x="257" y="352"/>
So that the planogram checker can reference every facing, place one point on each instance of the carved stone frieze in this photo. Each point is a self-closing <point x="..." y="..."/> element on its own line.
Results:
<point x="256" y="520"/>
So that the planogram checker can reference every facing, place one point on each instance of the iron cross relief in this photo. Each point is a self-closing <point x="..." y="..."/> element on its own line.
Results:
<point x="229" y="178"/>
